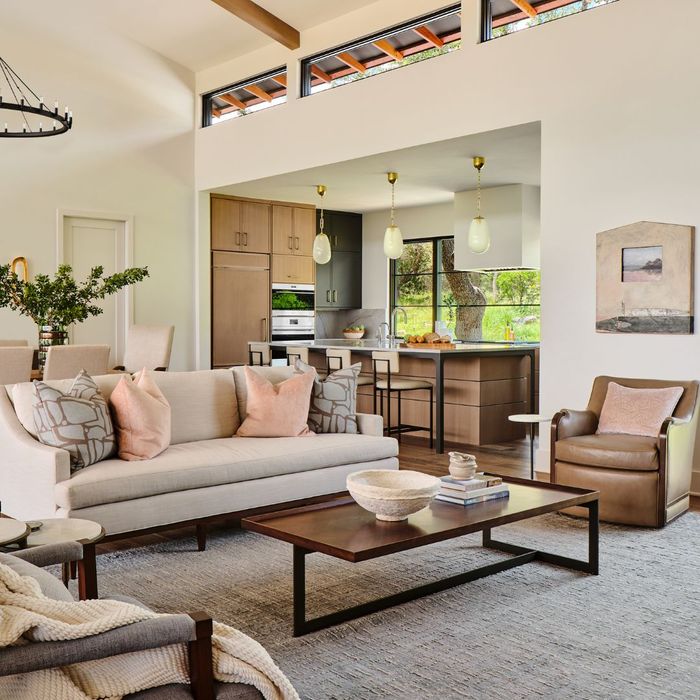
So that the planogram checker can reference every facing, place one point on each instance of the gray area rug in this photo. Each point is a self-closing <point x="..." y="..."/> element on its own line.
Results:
<point x="537" y="631"/>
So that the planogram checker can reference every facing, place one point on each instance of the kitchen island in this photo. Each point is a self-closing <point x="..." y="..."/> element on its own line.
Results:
<point x="477" y="385"/>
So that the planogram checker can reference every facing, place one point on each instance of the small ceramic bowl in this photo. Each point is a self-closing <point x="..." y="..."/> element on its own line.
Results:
<point x="391" y="494"/>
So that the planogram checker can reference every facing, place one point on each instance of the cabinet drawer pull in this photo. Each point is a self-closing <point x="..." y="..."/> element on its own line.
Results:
<point x="328" y="295"/>
<point x="335" y="295"/>
<point x="289" y="242"/>
<point x="264" y="330"/>
<point x="238" y="238"/>
<point x="296" y="242"/>
<point x="245" y="239"/>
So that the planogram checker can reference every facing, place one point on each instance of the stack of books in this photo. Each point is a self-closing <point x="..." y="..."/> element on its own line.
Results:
<point x="480" y="488"/>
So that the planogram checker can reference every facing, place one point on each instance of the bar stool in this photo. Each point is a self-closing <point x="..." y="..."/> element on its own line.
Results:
<point x="340" y="359"/>
<point x="297" y="352"/>
<point x="389" y="360"/>
<point x="259" y="354"/>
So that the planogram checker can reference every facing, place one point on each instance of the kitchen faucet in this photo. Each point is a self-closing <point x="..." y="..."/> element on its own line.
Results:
<point x="382" y="332"/>
<point x="392" y="327"/>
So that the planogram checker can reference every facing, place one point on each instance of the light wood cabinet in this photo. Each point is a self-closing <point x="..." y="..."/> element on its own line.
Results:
<point x="240" y="305"/>
<point x="239" y="225"/>
<point x="293" y="268"/>
<point x="293" y="230"/>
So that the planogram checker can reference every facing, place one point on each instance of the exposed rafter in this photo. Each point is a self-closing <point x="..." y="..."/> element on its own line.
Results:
<point x="525" y="6"/>
<point x="280" y="79"/>
<point x="319" y="73"/>
<point x="349" y="60"/>
<point x="388" y="49"/>
<point x="263" y="21"/>
<point x="231" y="100"/>
<point x="429" y="36"/>
<point x="259" y="92"/>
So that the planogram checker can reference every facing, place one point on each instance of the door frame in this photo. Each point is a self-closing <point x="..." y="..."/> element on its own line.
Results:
<point x="128" y="251"/>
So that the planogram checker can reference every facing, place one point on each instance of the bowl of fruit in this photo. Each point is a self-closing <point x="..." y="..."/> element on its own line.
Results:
<point x="354" y="332"/>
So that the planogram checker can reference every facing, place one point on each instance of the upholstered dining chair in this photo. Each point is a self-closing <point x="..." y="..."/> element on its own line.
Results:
<point x="15" y="364"/>
<point x="149" y="347"/>
<point x="194" y="630"/>
<point x="642" y="480"/>
<point x="4" y="343"/>
<point x="65" y="361"/>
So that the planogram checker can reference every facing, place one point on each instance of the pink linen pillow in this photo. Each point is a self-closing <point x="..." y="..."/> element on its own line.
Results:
<point x="141" y="417"/>
<point x="637" y="411"/>
<point x="277" y="410"/>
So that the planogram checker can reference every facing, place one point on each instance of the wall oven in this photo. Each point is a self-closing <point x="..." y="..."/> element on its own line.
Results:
<point x="293" y="311"/>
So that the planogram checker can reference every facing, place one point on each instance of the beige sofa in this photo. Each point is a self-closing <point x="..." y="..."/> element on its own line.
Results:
<point x="205" y="472"/>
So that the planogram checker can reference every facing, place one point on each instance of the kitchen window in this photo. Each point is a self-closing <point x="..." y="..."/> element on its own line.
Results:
<point x="425" y="37"/>
<point x="487" y="306"/>
<point x="502" y="17"/>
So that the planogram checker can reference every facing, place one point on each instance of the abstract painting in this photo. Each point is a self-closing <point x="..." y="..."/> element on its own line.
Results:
<point x="644" y="279"/>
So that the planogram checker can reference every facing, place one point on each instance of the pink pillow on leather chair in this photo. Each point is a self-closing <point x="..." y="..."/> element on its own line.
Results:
<point x="277" y="410"/>
<point x="141" y="417"/>
<point x="637" y="411"/>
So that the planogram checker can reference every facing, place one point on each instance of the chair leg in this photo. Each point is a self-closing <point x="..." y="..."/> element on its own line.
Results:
<point x="398" y="396"/>
<point x="388" y="412"/>
<point x="200" y="658"/>
<point x="431" y="418"/>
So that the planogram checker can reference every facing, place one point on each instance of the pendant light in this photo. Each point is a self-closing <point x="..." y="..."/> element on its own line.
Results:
<point x="479" y="239"/>
<point x="322" y="245"/>
<point x="393" y="241"/>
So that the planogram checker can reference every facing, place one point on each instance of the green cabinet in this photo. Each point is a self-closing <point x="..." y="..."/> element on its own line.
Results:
<point x="339" y="282"/>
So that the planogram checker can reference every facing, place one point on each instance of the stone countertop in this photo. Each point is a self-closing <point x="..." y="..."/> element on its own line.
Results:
<point x="367" y="345"/>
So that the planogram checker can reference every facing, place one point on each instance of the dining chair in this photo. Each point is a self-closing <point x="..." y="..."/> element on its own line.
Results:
<point x="259" y="354"/>
<point x="66" y="361"/>
<point x="15" y="364"/>
<point x="149" y="347"/>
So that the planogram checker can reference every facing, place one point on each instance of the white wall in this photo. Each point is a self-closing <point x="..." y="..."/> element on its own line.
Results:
<point x="131" y="151"/>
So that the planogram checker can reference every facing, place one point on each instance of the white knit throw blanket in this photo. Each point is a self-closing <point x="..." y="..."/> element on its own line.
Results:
<point x="27" y="615"/>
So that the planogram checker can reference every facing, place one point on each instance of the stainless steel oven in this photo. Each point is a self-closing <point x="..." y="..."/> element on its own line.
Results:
<point x="293" y="311"/>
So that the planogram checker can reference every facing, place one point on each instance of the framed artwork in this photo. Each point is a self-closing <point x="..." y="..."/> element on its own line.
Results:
<point x="645" y="279"/>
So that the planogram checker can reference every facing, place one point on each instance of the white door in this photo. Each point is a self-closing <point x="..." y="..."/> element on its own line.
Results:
<point x="87" y="243"/>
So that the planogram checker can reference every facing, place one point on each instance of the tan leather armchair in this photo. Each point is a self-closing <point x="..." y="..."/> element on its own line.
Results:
<point x="642" y="480"/>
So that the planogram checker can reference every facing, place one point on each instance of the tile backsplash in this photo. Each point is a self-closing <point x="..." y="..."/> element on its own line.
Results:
<point x="330" y="324"/>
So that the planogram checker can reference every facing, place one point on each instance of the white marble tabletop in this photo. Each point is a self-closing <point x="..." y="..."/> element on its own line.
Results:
<point x="12" y="530"/>
<point x="55" y="530"/>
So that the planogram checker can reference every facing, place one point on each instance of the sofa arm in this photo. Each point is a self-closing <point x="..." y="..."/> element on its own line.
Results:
<point x="50" y="554"/>
<point x="29" y="471"/>
<point x="370" y="424"/>
<point x="569" y="423"/>
<point x="676" y="444"/>
<point x="147" y="634"/>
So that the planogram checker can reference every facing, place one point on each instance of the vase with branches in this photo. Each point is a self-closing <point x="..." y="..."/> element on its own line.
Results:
<point x="56" y="303"/>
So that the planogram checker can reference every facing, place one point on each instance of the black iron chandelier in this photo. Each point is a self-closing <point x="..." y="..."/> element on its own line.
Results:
<point x="17" y="97"/>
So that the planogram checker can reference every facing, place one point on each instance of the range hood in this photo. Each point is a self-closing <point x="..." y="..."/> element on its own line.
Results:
<point x="513" y="216"/>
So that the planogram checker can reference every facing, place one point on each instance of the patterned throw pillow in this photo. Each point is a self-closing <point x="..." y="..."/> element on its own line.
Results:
<point x="333" y="406"/>
<point x="78" y="422"/>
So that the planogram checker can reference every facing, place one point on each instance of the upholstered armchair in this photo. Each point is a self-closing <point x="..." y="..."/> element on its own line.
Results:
<point x="195" y="630"/>
<point x="642" y="480"/>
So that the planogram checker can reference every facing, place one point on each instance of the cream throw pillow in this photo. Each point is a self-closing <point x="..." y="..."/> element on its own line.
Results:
<point x="77" y="421"/>
<point x="141" y="417"/>
<point x="277" y="410"/>
<point x="637" y="411"/>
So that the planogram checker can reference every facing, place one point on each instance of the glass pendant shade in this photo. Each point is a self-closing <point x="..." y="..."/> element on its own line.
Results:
<point x="393" y="242"/>
<point x="322" y="249"/>
<point x="479" y="239"/>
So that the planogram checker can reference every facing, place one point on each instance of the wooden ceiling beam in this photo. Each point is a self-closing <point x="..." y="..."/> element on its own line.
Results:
<point x="259" y="92"/>
<point x="319" y="73"/>
<point x="388" y="49"/>
<point x="231" y="100"/>
<point x="263" y="21"/>
<point x="525" y="6"/>
<point x="280" y="79"/>
<point x="349" y="60"/>
<point x="429" y="36"/>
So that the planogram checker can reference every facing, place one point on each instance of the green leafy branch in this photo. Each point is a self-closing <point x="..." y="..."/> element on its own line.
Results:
<point x="62" y="301"/>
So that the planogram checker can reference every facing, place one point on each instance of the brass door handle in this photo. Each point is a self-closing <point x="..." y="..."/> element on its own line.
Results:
<point x="328" y="295"/>
<point x="264" y="329"/>
<point x="335" y="295"/>
<point x="238" y="237"/>
<point x="296" y="242"/>
<point x="245" y="239"/>
<point x="289" y="242"/>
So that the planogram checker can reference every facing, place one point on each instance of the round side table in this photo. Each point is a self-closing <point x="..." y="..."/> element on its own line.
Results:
<point x="532" y="419"/>
<point x="88" y="533"/>
<point x="12" y="531"/>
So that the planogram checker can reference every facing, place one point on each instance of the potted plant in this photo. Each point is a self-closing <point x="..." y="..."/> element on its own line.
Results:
<point x="54" y="304"/>
<point x="354" y="331"/>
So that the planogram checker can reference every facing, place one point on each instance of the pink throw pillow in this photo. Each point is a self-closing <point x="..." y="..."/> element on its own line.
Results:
<point x="141" y="417"/>
<point x="637" y="411"/>
<point x="277" y="410"/>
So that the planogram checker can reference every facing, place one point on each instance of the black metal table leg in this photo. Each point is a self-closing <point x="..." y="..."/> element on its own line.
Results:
<point x="439" y="404"/>
<point x="299" y="589"/>
<point x="593" y="537"/>
<point x="532" y="381"/>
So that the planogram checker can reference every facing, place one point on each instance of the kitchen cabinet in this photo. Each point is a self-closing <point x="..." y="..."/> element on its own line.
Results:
<point x="344" y="230"/>
<point x="240" y="305"/>
<point x="293" y="268"/>
<point x="293" y="230"/>
<point x="240" y="225"/>
<point x="339" y="282"/>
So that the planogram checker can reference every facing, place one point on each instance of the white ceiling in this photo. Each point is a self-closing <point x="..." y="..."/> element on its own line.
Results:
<point x="198" y="33"/>
<point x="428" y="174"/>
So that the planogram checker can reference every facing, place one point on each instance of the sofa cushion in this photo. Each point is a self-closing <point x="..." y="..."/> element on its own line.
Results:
<point x="22" y="396"/>
<point x="214" y="462"/>
<point x="50" y="586"/>
<point x="77" y="421"/>
<point x="274" y="375"/>
<point x="634" y="452"/>
<point x="202" y="404"/>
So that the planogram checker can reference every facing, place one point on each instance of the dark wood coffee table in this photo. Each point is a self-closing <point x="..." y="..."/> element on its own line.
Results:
<point x="342" y="529"/>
